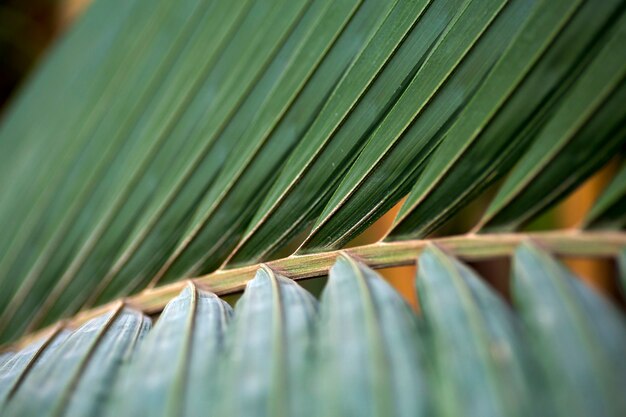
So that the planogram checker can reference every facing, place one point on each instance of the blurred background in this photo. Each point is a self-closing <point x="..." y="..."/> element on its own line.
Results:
<point x="28" y="28"/>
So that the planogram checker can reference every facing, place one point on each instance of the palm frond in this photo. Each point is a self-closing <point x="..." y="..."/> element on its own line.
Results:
<point x="369" y="341"/>
<point x="516" y="103"/>
<point x="188" y="337"/>
<point x="166" y="153"/>
<point x="16" y="365"/>
<point x="222" y="146"/>
<point x="469" y="352"/>
<point x="76" y="376"/>
<point x="577" y="335"/>
<point x="481" y="362"/>
<point x="269" y="347"/>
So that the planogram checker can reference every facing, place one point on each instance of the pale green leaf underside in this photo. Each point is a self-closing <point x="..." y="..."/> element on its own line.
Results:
<point x="578" y="336"/>
<point x="479" y="356"/>
<point x="557" y="351"/>
<point x="368" y="340"/>
<point x="266" y="368"/>
<point x="76" y="377"/>
<point x="185" y="343"/>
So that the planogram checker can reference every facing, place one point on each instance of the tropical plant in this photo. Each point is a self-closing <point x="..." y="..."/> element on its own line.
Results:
<point x="166" y="153"/>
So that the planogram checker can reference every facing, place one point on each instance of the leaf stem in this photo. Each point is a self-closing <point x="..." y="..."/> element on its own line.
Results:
<point x="569" y="243"/>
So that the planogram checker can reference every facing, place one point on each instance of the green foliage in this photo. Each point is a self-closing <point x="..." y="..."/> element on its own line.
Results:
<point x="214" y="133"/>
<point x="15" y="366"/>
<point x="173" y="369"/>
<point x="578" y="337"/>
<point x="265" y="368"/>
<point x="481" y="365"/>
<point x="370" y="361"/>
<point x="517" y="102"/>
<point x="161" y="140"/>
<point x="74" y="375"/>
<point x="558" y="351"/>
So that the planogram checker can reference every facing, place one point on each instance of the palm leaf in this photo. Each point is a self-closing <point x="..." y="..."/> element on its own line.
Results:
<point x="313" y="69"/>
<point x="514" y="103"/>
<point x="16" y="366"/>
<point x="355" y="104"/>
<point x="177" y="145"/>
<point x="271" y="25"/>
<point x="445" y="80"/>
<point x="159" y="210"/>
<point x="480" y="359"/>
<point x="473" y="340"/>
<point x="75" y="378"/>
<point x="579" y="336"/>
<point x="269" y="350"/>
<point x="584" y="133"/>
<point x="147" y="225"/>
<point x="376" y="360"/>
<point x="186" y="342"/>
